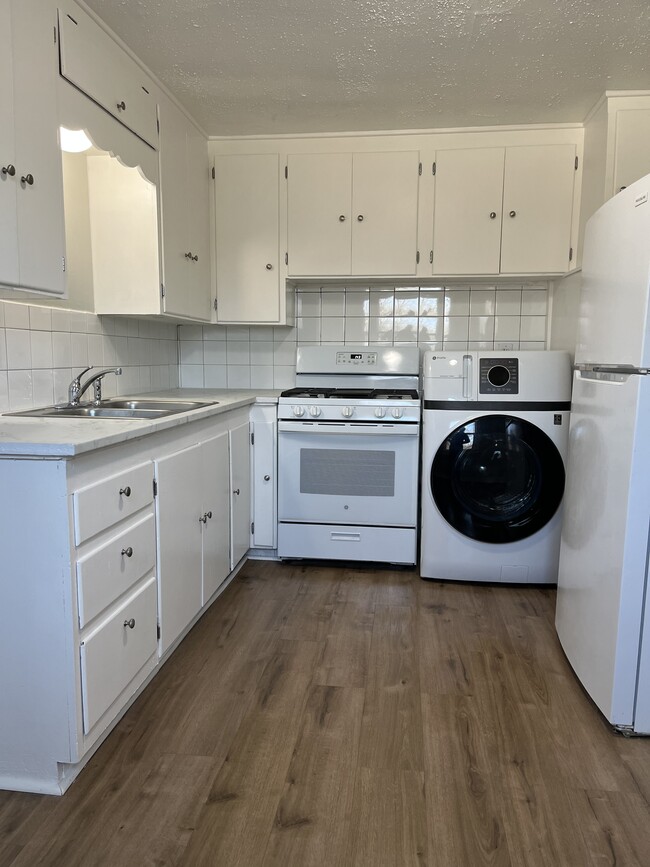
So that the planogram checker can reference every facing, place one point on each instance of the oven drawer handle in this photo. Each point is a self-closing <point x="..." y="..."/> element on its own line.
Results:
<point x="345" y="537"/>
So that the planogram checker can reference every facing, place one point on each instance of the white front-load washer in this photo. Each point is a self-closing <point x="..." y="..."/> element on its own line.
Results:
<point x="495" y="437"/>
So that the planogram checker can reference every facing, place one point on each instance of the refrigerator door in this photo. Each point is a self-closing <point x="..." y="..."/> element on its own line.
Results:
<point x="614" y="326"/>
<point x="604" y="548"/>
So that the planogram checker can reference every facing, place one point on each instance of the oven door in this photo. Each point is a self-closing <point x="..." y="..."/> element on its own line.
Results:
<point x="348" y="473"/>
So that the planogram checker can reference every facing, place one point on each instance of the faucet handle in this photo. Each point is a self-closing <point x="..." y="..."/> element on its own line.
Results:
<point x="85" y="370"/>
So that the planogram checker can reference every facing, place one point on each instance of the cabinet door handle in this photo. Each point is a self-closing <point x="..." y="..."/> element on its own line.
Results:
<point x="188" y="255"/>
<point x="9" y="170"/>
<point x="493" y="215"/>
<point x="27" y="179"/>
<point x="121" y="106"/>
<point x="130" y="623"/>
<point x="194" y="258"/>
<point x="513" y="213"/>
<point x="267" y="478"/>
<point x="209" y="515"/>
<point x="128" y="551"/>
<point x="126" y="491"/>
<point x="236" y="492"/>
<point x="269" y="267"/>
<point x="342" y="218"/>
<point x="360" y="218"/>
<point x="204" y="518"/>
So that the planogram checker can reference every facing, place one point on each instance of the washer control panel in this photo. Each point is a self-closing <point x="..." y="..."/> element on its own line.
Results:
<point x="498" y="376"/>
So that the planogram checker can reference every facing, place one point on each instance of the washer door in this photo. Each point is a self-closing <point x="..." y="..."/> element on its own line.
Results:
<point x="498" y="479"/>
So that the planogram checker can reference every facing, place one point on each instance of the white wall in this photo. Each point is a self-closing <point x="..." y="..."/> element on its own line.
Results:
<point x="563" y="325"/>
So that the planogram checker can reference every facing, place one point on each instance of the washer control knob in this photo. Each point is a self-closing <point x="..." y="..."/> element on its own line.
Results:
<point x="397" y="412"/>
<point x="314" y="411"/>
<point x="347" y="411"/>
<point x="298" y="411"/>
<point x="380" y="412"/>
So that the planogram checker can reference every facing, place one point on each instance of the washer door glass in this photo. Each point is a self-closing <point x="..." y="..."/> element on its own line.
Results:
<point x="497" y="479"/>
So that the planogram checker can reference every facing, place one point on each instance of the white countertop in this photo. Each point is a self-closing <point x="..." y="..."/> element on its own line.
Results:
<point x="36" y="437"/>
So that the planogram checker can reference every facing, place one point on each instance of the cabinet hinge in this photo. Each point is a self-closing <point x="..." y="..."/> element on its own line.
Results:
<point x="158" y="630"/>
<point x="570" y="254"/>
<point x="71" y="19"/>
<point x="286" y="258"/>
<point x="63" y="262"/>
<point x="419" y="168"/>
<point x="576" y="164"/>
<point x="286" y="172"/>
<point x="55" y="35"/>
<point x="252" y="527"/>
<point x="252" y="439"/>
<point x="431" y="256"/>
<point x="155" y="488"/>
<point x="157" y="122"/>
<point x="214" y="174"/>
<point x="417" y="258"/>
<point x="162" y="290"/>
<point x="215" y="304"/>
<point x="433" y="169"/>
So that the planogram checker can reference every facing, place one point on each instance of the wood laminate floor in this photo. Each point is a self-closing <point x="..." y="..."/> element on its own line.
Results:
<point x="331" y="716"/>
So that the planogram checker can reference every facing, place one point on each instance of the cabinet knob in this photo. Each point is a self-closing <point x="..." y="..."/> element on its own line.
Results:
<point x="360" y="218"/>
<point x="493" y="215"/>
<point x="269" y="267"/>
<point x="236" y="492"/>
<point x="267" y="478"/>
<point x="130" y="623"/>
<point x="9" y="170"/>
<point x="128" y="551"/>
<point x="513" y="213"/>
<point x="27" y="179"/>
<point x="209" y="514"/>
<point x="125" y="491"/>
<point x="342" y="218"/>
<point x="188" y="255"/>
<point x="195" y="257"/>
<point x="204" y="518"/>
<point x="121" y="106"/>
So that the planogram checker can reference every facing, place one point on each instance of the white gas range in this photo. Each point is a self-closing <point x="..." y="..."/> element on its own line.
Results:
<point x="348" y="450"/>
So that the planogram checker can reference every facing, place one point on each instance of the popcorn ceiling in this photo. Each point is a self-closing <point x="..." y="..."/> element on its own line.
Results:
<point x="290" y="66"/>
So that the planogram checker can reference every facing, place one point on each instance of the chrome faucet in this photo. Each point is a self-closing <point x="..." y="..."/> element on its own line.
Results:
<point x="76" y="390"/>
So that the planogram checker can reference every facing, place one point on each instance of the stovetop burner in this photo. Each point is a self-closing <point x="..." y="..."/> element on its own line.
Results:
<point x="352" y="393"/>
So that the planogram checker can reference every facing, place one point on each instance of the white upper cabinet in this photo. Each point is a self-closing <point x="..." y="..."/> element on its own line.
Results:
<point x="353" y="214"/>
<point x="246" y="193"/>
<point x="632" y="155"/>
<point x="92" y="61"/>
<point x="504" y="210"/>
<point x="185" y="209"/>
<point x="32" y="246"/>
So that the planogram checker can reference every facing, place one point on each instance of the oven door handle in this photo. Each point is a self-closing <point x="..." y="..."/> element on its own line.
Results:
<point x="407" y="429"/>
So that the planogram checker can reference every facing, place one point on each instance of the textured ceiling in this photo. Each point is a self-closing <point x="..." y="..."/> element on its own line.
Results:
<point x="290" y="66"/>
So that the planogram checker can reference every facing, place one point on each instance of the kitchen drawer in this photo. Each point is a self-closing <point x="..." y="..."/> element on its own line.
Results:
<point x="113" y="654"/>
<point x="108" y="572"/>
<point x="104" y="503"/>
<point x="92" y="61"/>
<point x="340" y="542"/>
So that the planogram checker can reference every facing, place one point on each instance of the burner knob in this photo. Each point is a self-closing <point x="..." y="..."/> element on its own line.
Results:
<point x="314" y="411"/>
<point x="347" y="411"/>
<point x="298" y="411"/>
<point x="380" y="412"/>
<point x="397" y="412"/>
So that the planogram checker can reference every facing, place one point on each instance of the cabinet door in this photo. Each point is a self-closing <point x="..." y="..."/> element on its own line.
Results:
<point x="264" y="487"/>
<point x="247" y="237"/>
<point x="41" y="244"/>
<point x="467" y="217"/>
<point x="197" y="198"/>
<point x="8" y="181"/>
<point x="320" y="202"/>
<point x="537" y="209"/>
<point x="179" y="541"/>
<point x="632" y="160"/>
<point x="240" y="484"/>
<point x="385" y="213"/>
<point x="97" y="65"/>
<point x="216" y="505"/>
<point x="173" y="193"/>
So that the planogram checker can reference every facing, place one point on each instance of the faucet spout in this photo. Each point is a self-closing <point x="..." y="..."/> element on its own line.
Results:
<point x="76" y="390"/>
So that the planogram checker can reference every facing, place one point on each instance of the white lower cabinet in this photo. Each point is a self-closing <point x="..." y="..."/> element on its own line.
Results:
<point x="264" y="487"/>
<point x="90" y="610"/>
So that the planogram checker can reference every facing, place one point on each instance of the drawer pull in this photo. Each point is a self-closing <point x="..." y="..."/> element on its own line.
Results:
<point x="128" y="551"/>
<point x="126" y="491"/>
<point x="130" y="623"/>
<point x="121" y="106"/>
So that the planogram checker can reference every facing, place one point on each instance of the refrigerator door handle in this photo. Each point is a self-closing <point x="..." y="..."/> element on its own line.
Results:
<point x="622" y="369"/>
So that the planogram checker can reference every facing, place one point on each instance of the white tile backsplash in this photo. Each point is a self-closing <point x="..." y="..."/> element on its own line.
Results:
<point x="42" y="348"/>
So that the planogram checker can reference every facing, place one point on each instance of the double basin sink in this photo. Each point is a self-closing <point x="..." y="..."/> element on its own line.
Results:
<point x="137" y="408"/>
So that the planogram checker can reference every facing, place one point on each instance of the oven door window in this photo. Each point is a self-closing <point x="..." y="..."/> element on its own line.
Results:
<point x="349" y="478"/>
<point x="497" y="479"/>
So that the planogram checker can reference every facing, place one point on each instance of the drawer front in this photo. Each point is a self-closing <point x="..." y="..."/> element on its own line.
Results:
<point x="104" y="503"/>
<point x="98" y="66"/>
<point x="114" y="653"/>
<point x="108" y="572"/>
<point x="342" y="542"/>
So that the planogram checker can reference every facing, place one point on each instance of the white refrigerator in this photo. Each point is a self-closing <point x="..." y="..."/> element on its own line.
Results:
<point x="603" y="600"/>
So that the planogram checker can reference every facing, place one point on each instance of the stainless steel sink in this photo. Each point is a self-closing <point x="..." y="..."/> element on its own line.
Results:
<point x="118" y="408"/>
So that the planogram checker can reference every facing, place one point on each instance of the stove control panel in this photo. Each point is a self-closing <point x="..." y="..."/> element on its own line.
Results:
<point x="347" y="359"/>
